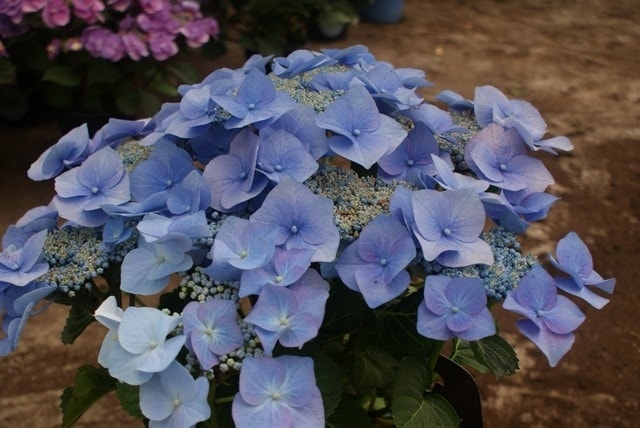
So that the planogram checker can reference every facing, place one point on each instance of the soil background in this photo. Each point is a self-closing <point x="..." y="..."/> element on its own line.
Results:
<point x="578" y="62"/>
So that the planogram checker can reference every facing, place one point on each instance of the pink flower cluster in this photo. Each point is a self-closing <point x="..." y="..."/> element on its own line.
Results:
<point x="109" y="29"/>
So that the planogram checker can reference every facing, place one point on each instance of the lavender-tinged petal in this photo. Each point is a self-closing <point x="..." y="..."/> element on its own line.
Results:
<point x="554" y="346"/>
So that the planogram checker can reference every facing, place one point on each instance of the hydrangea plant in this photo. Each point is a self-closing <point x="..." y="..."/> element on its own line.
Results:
<point x="315" y="235"/>
<point x="97" y="56"/>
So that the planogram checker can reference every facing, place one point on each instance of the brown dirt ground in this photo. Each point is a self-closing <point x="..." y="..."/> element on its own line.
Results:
<point x="578" y="61"/>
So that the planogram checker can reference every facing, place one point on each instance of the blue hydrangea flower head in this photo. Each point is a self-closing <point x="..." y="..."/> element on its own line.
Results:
<point x="69" y="151"/>
<point x="360" y="133"/>
<point x="500" y="157"/>
<point x="573" y="258"/>
<point x="454" y="307"/>
<point x="256" y="102"/>
<point x="147" y="269"/>
<point x="551" y="318"/>
<point x="287" y="316"/>
<point x="375" y="263"/>
<point x="278" y="392"/>
<point x="232" y="178"/>
<point x="22" y="263"/>
<point x="211" y="329"/>
<point x="448" y="226"/>
<point x="302" y="219"/>
<point x="174" y="399"/>
<point x="100" y="180"/>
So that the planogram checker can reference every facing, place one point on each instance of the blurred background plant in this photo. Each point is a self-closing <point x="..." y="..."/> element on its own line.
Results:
<point x="280" y="27"/>
<point x="114" y="57"/>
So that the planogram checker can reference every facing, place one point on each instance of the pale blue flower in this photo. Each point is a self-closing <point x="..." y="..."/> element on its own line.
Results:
<point x="109" y="315"/>
<point x="39" y="218"/>
<point x="278" y="392"/>
<point x="282" y="154"/>
<point x="302" y="219"/>
<point x="298" y="62"/>
<point x="256" y="102"/>
<point x="155" y="226"/>
<point x="211" y="329"/>
<point x="438" y="121"/>
<point x="352" y="55"/>
<point x="455" y="101"/>
<point x="500" y="157"/>
<point x="69" y="151"/>
<point x="384" y="84"/>
<point x="551" y="318"/>
<point x="284" y="268"/>
<point x="20" y="259"/>
<point x="574" y="259"/>
<point x="232" y="178"/>
<point x="16" y="306"/>
<point x="448" y="179"/>
<point x="166" y="166"/>
<point x="118" y="131"/>
<point x="147" y="269"/>
<point x="291" y="316"/>
<point x="142" y="347"/>
<point x="173" y="399"/>
<point x="454" y="307"/>
<point x="412" y="158"/>
<point x="492" y="106"/>
<point x="448" y="226"/>
<point x="375" y="263"/>
<point x="301" y="122"/>
<point x="240" y="245"/>
<point x="360" y="133"/>
<point x="100" y="180"/>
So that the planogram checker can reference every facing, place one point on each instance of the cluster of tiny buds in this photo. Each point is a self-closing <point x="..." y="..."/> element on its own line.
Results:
<point x="503" y="275"/>
<point x="197" y="285"/>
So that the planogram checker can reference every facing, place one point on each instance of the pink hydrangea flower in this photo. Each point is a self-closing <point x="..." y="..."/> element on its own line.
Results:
<point x="56" y="13"/>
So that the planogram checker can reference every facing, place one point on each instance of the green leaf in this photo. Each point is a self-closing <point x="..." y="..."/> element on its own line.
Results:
<point x="129" y="397"/>
<point x="90" y="384"/>
<point x="396" y="328"/>
<point x="128" y="101"/>
<point x="495" y="353"/>
<point x="431" y="412"/>
<point x="7" y="71"/>
<point x="373" y="368"/>
<point x="346" y="312"/>
<point x="465" y="356"/>
<point x="349" y="414"/>
<point x="329" y="377"/>
<point x="150" y="103"/>
<point x="77" y="321"/>
<point x="63" y="76"/>
<point x="103" y="72"/>
<point x="184" y="72"/>
<point x="413" y="377"/>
